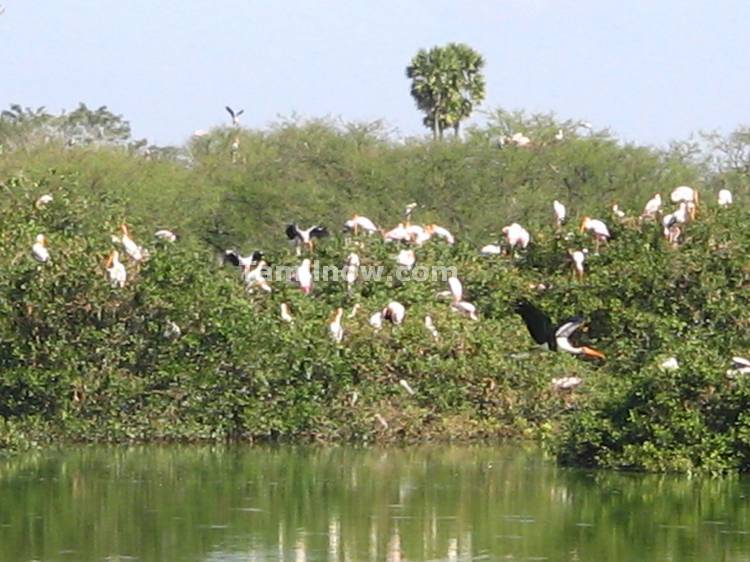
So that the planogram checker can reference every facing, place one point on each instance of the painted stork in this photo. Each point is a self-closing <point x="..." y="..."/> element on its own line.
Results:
<point x="305" y="236"/>
<point x="725" y="198"/>
<point x="440" y="232"/>
<point x="235" y="115"/>
<point x="39" y="249"/>
<point x="553" y="337"/>
<point x="406" y="258"/>
<point x="560" y="213"/>
<point x="597" y="228"/>
<point x="577" y="258"/>
<point x="394" y="312"/>
<point x="358" y="222"/>
<point x="286" y="316"/>
<point x="653" y="206"/>
<point x="133" y="250"/>
<point x="516" y="235"/>
<point x="334" y="326"/>
<point x="116" y="272"/>
<point x="233" y="257"/>
<point x="304" y="276"/>
<point x="166" y="235"/>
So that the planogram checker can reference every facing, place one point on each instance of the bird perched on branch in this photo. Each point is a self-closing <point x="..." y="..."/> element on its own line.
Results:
<point x="233" y="257"/>
<point x="553" y="337"/>
<point x="39" y="249"/>
<point x="358" y="222"/>
<point x="305" y="237"/>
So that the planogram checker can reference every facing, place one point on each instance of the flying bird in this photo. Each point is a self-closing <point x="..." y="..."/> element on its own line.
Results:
<point x="235" y="115"/>
<point x="555" y="338"/>
<point x="305" y="237"/>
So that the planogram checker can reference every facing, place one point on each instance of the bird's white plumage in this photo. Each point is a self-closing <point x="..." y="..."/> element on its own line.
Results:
<point x="39" y="249"/>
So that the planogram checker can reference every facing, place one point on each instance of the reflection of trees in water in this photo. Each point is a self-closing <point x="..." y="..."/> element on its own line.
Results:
<point x="341" y="504"/>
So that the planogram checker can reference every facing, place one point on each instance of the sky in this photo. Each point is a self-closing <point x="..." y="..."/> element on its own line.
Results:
<point x="651" y="70"/>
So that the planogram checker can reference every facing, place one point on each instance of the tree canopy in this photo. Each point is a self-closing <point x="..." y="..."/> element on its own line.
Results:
<point x="447" y="84"/>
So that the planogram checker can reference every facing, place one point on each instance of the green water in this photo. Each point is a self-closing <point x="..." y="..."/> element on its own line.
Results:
<point x="345" y="504"/>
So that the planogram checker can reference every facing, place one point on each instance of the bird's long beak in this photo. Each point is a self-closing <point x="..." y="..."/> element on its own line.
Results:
<point x="109" y="260"/>
<point x="591" y="352"/>
<point x="124" y="228"/>
<point x="583" y="224"/>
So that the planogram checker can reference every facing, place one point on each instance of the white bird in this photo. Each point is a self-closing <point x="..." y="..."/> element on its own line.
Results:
<point x="354" y="311"/>
<point x="578" y="257"/>
<point x="304" y="276"/>
<point x="39" y="249"/>
<point x="670" y="364"/>
<point x="134" y="251"/>
<point x="235" y="115"/>
<point x="418" y="234"/>
<point x="653" y="206"/>
<point x="465" y="308"/>
<point x="491" y="250"/>
<point x="399" y="233"/>
<point x="394" y="312"/>
<point x="376" y="320"/>
<point x="335" y="327"/>
<point x="172" y="330"/>
<point x="456" y="289"/>
<point x="566" y="383"/>
<point x="406" y="258"/>
<point x="687" y="195"/>
<point x="516" y="235"/>
<point x="43" y="201"/>
<point x="597" y="228"/>
<point x="286" y="316"/>
<point x="740" y="366"/>
<point x="431" y="327"/>
<point x="351" y="269"/>
<point x="408" y="210"/>
<point x="519" y="139"/>
<point x="255" y="277"/>
<point x="406" y="386"/>
<point x="619" y="213"/>
<point x="357" y="222"/>
<point x="560" y="212"/>
<point x="165" y="234"/>
<point x="440" y="232"/>
<point x="559" y="135"/>
<point x="116" y="272"/>
<point x="725" y="198"/>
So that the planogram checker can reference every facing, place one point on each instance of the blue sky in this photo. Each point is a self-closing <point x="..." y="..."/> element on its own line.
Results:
<point x="652" y="70"/>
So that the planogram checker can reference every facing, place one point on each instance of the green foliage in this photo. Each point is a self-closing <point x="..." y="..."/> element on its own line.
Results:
<point x="82" y="360"/>
<point x="446" y="84"/>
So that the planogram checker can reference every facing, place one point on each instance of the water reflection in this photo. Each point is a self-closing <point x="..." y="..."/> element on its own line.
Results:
<point x="351" y="505"/>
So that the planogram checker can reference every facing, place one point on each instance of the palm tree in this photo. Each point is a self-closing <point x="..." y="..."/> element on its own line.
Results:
<point x="447" y="84"/>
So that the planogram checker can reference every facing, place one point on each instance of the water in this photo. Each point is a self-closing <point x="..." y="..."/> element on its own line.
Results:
<point x="344" y="504"/>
